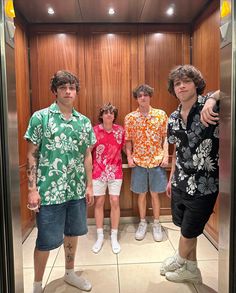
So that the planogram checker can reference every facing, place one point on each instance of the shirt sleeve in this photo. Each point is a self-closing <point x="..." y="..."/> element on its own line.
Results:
<point x="171" y="138"/>
<point x="91" y="135"/>
<point x="128" y="128"/>
<point x="34" y="131"/>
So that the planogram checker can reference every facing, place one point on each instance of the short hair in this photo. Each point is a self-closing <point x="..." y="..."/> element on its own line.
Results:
<point x="145" y="88"/>
<point x="63" y="77"/>
<point x="107" y="108"/>
<point x="189" y="71"/>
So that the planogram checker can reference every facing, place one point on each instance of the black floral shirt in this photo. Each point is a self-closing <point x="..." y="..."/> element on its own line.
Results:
<point x="197" y="152"/>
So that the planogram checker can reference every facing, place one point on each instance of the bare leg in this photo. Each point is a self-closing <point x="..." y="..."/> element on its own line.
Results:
<point x="155" y="205"/>
<point x="70" y="245"/>
<point x="187" y="248"/>
<point x="115" y="211"/>
<point x="99" y="210"/>
<point x="142" y="205"/>
<point x="40" y="261"/>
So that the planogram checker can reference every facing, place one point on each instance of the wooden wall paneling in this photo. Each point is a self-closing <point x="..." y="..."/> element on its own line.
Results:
<point x="111" y="71"/>
<point x="53" y="52"/>
<point x="206" y="56"/>
<point x="23" y="115"/>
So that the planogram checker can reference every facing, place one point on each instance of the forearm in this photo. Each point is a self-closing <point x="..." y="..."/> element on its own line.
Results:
<point x="173" y="163"/>
<point x="215" y="95"/>
<point x="32" y="165"/>
<point x="129" y="148"/>
<point x="88" y="167"/>
<point x="166" y="147"/>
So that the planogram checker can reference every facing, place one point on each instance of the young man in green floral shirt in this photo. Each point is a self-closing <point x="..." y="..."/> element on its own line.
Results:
<point x="60" y="177"/>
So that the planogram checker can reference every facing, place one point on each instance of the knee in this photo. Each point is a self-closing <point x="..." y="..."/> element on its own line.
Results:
<point x="114" y="201"/>
<point x="99" y="203"/>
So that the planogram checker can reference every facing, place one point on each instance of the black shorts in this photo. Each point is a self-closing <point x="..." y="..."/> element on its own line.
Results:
<point x="191" y="213"/>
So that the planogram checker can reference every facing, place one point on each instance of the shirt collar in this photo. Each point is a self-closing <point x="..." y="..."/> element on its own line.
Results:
<point x="55" y="109"/>
<point x="150" y="113"/>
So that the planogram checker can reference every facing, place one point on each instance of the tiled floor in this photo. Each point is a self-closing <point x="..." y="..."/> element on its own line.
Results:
<point x="134" y="270"/>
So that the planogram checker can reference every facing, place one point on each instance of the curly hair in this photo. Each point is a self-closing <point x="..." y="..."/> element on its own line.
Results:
<point x="145" y="88"/>
<point x="105" y="109"/>
<point x="63" y="77"/>
<point x="189" y="71"/>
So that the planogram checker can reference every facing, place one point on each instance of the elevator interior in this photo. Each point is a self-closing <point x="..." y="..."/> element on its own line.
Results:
<point x="144" y="44"/>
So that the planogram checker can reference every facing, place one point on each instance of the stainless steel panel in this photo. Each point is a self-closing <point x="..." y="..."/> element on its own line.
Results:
<point x="9" y="150"/>
<point x="225" y="169"/>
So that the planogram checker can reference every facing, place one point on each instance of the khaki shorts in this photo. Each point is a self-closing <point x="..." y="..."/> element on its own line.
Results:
<point x="100" y="187"/>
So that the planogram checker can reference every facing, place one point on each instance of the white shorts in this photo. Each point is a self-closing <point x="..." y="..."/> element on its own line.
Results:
<point x="100" y="187"/>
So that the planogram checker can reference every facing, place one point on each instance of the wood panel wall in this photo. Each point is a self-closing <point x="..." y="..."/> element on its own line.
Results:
<point x="206" y="56"/>
<point x="23" y="112"/>
<point x="110" y="62"/>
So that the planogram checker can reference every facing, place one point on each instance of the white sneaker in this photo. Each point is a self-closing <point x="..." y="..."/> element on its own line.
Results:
<point x="170" y="264"/>
<point x="141" y="231"/>
<point x="183" y="275"/>
<point x="157" y="232"/>
<point x="78" y="282"/>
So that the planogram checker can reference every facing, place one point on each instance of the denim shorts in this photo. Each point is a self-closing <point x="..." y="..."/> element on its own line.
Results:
<point x="144" y="179"/>
<point x="100" y="187"/>
<point x="55" y="221"/>
<point x="191" y="213"/>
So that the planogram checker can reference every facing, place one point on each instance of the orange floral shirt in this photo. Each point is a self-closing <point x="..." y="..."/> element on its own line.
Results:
<point x="147" y="134"/>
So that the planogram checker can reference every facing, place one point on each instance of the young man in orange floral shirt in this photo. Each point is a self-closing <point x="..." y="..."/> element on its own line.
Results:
<point x="147" y="153"/>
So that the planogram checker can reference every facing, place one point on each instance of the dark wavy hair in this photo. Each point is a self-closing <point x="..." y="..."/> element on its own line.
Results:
<point x="189" y="71"/>
<point x="107" y="108"/>
<point x="63" y="77"/>
<point x="145" y="88"/>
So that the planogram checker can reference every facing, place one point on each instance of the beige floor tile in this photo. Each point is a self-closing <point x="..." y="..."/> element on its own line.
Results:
<point x="28" y="251"/>
<point x="205" y="250"/>
<point x="209" y="270"/>
<point x="85" y="256"/>
<point x="145" y="278"/>
<point x="147" y="250"/>
<point x="29" y="278"/>
<point x="103" y="279"/>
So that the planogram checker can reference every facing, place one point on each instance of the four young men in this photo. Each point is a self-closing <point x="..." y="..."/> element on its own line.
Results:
<point x="60" y="170"/>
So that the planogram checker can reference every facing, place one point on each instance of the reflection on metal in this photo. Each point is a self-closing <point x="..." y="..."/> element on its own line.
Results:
<point x="10" y="195"/>
<point x="227" y="219"/>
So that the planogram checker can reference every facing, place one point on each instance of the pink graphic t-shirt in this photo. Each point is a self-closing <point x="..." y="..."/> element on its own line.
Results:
<point x="107" y="160"/>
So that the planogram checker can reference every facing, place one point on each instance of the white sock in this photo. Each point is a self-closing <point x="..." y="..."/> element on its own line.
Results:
<point x="191" y="265"/>
<point x="37" y="287"/>
<point x="98" y="244"/>
<point x="114" y="242"/>
<point x="156" y="221"/>
<point x="143" y="220"/>
<point x="77" y="281"/>
<point x="180" y="260"/>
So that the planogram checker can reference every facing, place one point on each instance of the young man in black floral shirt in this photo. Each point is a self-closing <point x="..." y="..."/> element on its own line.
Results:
<point x="193" y="187"/>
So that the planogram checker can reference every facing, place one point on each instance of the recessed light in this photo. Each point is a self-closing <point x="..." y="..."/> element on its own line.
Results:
<point x="111" y="11"/>
<point x="51" y="10"/>
<point x="170" y="10"/>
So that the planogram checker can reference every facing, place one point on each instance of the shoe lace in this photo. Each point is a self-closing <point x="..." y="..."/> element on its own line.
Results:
<point x="141" y="227"/>
<point x="157" y="228"/>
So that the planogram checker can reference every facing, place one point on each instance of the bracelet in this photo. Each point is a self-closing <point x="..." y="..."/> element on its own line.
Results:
<point x="32" y="208"/>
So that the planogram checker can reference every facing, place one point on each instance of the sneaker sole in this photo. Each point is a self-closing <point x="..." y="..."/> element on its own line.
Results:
<point x="83" y="289"/>
<point x="192" y="281"/>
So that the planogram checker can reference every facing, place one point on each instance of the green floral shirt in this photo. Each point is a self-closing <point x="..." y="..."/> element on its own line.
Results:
<point x="62" y="145"/>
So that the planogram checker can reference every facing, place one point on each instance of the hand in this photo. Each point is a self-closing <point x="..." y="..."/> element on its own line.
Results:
<point x="34" y="201"/>
<point x="168" y="189"/>
<point x="131" y="162"/>
<point x="165" y="162"/>
<point x="208" y="116"/>
<point x="89" y="196"/>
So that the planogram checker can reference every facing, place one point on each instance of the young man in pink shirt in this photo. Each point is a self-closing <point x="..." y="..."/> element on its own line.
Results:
<point x="107" y="173"/>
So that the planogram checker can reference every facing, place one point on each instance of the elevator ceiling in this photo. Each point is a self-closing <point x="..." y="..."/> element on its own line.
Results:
<point x="96" y="11"/>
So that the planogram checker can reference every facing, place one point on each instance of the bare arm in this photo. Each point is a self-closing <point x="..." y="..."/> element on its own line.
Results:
<point x="88" y="170"/>
<point x="165" y="160"/>
<point x="34" y="199"/>
<point x="208" y="116"/>
<point x="129" y="149"/>
<point x="168" y="189"/>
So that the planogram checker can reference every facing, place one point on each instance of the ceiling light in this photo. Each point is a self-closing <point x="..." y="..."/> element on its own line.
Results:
<point x="50" y="10"/>
<point x="170" y="10"/>
<point x="111" y="11"/>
